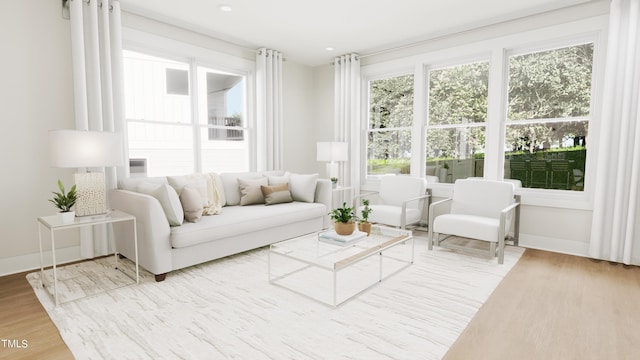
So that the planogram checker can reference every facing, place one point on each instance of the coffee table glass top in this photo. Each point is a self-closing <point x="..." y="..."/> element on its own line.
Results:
<point x="313" y="249"/>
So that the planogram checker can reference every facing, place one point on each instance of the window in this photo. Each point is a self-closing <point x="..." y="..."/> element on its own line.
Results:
<point x="548" y="115"/>
<point x="223" y="140"/>
<point x="389" y="126"/>
<point x="162" y="127"/>
<point x="457" y="113"/>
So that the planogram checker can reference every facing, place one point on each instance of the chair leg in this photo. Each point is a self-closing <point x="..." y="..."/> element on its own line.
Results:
<point x="492" y="249"/>
<point x="501" y="253"/>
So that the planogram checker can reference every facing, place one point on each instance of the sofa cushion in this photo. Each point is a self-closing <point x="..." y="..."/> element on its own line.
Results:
<point x="131" y="183"/>
<point x="168" y="199"/>
<point x="278" y="180"/>
<point x="191" y="203"/>
<point x="197" y="182"/>
<point x="303" y="186"/>
<point x="238" y="220"/>
<point x="250" y="192"/>
<point x="230" y="185"/>
<point x="276" y="194"/>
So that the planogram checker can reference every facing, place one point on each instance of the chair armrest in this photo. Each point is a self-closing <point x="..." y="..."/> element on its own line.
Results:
<point x="432" y="207"/>
<point x="502" y="228"/>
<point x="509" y="208"/>
<point x="403" y="216"/>
<point x="356" y="198"/>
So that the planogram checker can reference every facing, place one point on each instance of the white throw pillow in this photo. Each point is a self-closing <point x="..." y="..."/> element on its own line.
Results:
<point x="168" y="199"/>
<point x="303" y="187"/>
<point x="250" y="190"/>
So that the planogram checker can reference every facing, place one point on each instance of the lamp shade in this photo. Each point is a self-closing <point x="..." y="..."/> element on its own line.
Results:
<point x="77" y="148"/>
<point x="332" y="151"/>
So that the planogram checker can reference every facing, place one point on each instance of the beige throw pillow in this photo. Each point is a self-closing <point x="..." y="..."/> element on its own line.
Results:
<point x="191" y="203"/>
<point x="276" y="194"/>
<point x="250" y="192"/>
<point x="198" y="181"/>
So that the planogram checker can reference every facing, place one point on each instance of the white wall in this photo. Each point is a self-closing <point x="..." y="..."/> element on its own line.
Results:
<point x="37" y="95"/>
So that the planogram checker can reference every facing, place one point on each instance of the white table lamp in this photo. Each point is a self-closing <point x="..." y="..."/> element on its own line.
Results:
<point x="332" y="152"/>
<point x="84" y="149"/>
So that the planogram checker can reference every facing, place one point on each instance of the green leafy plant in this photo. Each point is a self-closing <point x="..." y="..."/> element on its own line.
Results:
<point x="64" y="201"/>
<point x="364" y="213"/>
<point x="334" y="179"/>
<point x="342" y="214"/>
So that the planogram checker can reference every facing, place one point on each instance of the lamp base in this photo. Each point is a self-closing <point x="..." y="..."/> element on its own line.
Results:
<point x="332" y="169"/>
<point x="91" y="197"/>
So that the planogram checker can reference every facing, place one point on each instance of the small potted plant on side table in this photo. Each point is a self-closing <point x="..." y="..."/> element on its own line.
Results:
<point x="334" y="182"/>
<point x="343" y="219"/>
<point x="363" y="224"/>
<point x="64" y="202"/>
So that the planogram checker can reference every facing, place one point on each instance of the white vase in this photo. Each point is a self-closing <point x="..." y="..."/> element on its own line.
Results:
<point x="67" y="217"/>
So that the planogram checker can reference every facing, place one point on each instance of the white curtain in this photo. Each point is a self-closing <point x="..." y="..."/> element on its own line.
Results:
<point x="269" y="109"/>
<point x="615" y="233"/>
<point x="347" y="114"/>
<point x="96" y="46"/>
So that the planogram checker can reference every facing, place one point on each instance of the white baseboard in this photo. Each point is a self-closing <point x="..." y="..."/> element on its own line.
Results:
<point x="28" y="262"/>
<point x="562" y="246"/>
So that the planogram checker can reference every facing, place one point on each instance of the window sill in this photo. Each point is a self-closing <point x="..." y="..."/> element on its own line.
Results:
<point x="576" y="200"/>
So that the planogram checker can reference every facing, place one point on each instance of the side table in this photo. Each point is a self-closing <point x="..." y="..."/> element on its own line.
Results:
<point x="53" y="224"/>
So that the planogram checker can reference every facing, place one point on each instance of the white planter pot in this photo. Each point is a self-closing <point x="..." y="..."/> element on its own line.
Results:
<point x="67" y="217"/>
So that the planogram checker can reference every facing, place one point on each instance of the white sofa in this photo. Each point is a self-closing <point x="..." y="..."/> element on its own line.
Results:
<point x="163" y="248"/>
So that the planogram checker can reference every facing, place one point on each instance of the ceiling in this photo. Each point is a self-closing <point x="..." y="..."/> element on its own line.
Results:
<point x="303" y="29"/>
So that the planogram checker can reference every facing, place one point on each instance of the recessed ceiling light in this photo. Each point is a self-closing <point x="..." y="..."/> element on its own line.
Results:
<point x="225" y="8"/>
<point x="329" y="48"/>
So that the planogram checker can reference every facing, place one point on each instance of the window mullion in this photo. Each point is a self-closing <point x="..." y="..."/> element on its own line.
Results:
<point x="195" y="116"/>
<point x="418" y="141"/>
<point x="496" y="103"/>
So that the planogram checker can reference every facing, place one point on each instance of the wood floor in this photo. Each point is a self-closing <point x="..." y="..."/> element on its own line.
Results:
<point x="550" y="306"/>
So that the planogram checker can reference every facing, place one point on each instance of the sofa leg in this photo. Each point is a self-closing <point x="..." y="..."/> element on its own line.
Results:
<point x="161" y="277"/>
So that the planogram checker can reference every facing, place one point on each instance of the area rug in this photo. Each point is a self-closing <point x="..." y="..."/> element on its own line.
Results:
<point x="228" y="309"/>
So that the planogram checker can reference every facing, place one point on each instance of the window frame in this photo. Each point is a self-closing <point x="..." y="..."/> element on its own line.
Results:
<point x="497" y="49"/>
<point x="459" y="61"/>
<point x="196" y="57"/>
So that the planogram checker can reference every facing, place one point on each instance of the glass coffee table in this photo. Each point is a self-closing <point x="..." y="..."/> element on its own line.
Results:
<point x="332" y="272"/>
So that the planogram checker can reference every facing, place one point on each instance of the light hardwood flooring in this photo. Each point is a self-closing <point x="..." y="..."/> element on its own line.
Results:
<point x="550" y="306"/>
<point x="555" y="306"/>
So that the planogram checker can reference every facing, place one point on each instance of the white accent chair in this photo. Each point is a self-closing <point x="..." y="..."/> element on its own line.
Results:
<point x="401" y="200"/>
<point x="480" y="210"/>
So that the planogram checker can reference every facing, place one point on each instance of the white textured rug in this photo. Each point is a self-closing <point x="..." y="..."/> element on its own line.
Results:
<point x="228" y="309"/>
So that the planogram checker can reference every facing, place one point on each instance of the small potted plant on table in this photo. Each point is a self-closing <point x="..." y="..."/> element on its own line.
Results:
<point x="64" y="202"/>
<point x="363" y="224"/>
<point x="343" y="219"/>
<point x="334" y="182"/>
